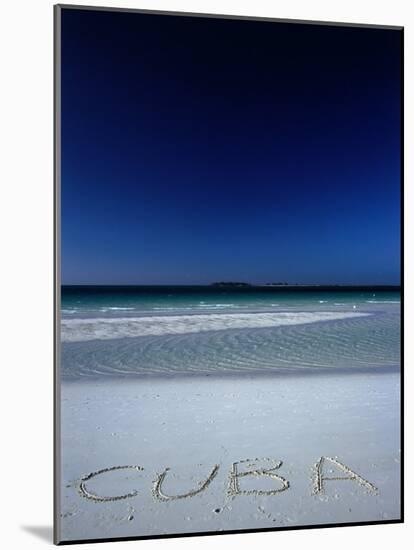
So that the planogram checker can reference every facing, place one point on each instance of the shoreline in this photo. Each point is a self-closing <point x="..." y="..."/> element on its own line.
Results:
<point x="265" y="374"/>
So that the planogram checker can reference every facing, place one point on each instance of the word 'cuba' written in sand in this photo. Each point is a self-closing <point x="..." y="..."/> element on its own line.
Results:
<point x="323" y="471"/>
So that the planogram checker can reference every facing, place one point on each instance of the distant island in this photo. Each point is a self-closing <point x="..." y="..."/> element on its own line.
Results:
<point x="243" y="285"/>
<point x="302" y="286"/>
<point x="230" y="284"/>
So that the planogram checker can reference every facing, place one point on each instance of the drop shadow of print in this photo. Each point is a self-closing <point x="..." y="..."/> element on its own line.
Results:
<point x="42" y="532"/>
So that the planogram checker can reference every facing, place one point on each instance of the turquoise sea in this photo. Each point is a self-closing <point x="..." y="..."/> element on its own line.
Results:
<point x="177" y="330"/>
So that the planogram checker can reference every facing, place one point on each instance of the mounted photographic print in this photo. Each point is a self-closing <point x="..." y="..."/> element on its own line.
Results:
<point x="228" y="274"/>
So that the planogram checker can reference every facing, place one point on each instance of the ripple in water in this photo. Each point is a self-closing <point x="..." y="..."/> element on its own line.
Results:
<point x="353" y="342"/>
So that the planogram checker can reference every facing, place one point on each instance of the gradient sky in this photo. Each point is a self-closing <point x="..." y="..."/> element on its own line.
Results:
<point x="197" y="150"/>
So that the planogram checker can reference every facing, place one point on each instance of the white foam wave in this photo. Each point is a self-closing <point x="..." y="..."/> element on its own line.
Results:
<point x="117" y="308"/>
<point x="78" y="330"/>
<point x="203" y="304"/>
<point x="203" y="307"/>
<point x="383" y="301"/>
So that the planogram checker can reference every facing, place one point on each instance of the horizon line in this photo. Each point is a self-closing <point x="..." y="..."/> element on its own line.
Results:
<point x="240" y="285"/>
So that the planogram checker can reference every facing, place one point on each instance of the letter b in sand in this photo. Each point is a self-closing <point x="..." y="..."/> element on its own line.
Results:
<point x="254" y="471"/>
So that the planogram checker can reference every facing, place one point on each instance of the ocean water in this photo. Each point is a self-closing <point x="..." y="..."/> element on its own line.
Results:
<point x="164" y="331"/>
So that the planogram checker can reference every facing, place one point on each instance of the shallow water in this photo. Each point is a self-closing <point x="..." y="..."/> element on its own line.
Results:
<point x="195" y="330"/>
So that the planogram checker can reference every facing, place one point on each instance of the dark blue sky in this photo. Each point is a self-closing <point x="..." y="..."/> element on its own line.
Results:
<point x="197" y="150"/>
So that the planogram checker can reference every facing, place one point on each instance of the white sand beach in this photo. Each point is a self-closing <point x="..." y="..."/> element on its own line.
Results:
<point x="187" y="441"/>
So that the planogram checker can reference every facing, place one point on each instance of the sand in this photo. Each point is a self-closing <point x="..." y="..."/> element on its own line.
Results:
<point x="159" y="456"/>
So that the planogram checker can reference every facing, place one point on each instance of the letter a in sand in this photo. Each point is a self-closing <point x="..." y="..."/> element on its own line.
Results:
<point x="319" y="477"/>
